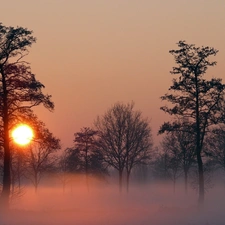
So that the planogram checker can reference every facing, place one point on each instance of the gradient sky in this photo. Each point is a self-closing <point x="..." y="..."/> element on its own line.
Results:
<point x="92" y="53"/>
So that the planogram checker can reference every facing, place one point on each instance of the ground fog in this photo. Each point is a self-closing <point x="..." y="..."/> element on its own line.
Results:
<point x="101" y="204"/>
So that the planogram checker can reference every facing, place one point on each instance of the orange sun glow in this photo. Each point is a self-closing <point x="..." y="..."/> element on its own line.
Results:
<point x="22" y="134"/>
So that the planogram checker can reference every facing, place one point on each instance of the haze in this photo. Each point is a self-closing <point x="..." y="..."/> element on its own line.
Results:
<point x="149" y="203"/>
<point x="90" y="54"/>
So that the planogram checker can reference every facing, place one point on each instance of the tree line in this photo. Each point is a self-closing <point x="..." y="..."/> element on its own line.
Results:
<point x="121" y="138"/>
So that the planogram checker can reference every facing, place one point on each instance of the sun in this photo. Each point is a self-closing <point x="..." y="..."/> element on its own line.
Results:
<point x="22" y="134"/>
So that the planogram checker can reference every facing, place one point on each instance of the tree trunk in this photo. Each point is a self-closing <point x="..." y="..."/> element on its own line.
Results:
<point x="201" y="187"/>
<point x="120" y="180"/>
<point x="35" y="182"/>
<point x="7" y="157"/>
<point x="19" y="171"/>
<point x="200" y="180"/>
<point x="128" y="180"/>
<point x="174" y="186"/>
<point x="186" y="181"/>
<point x="86" y="168"/>
<point x="199" y="148"/>
<point x="87" y="182"/>
<point x="6" y="175"/>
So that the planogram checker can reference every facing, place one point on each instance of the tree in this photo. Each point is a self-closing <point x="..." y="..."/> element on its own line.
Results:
<point x="63" y="169"/>
<point x="19" y="90"/>
<point x="73" y="160"/>
<point x="125" y="138"/>
<point x="215" y="147"/>
<point x="139" y="142"/>
<point x="39" y="156"/>
<point x="160" y="165"/>
<point x="68" y="163"/>
<point x="194" y="98"/>
<point x="18" y="166"/>
<point x="18" y="171"/>
<point x="173" y="156"/>
<point x="86" y="143"/>
<point x="98" y="167"/>
<point x="180" y="146"/>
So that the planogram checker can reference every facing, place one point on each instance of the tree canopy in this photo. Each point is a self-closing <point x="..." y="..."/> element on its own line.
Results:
<point x="124" y="138"/>
<point x="195" y="100"/>
<point x="19" y="91"/>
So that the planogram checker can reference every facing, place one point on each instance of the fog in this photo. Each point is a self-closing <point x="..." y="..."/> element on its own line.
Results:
<point x="153" y="203"/>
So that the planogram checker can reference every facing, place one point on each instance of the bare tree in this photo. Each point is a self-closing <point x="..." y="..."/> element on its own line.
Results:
<point x="86" y="154"/>
<point x="68" y="163"/>
<point x="85" y="143"/>
<point x="194" y="98"/>
<point x="138" y="141"/>
<point x="39" y="158"/>
<point x="19" y="91"/>
<point x="173" y="156"/>
<point x="181" y="148"/>
<point x="73" y="160"/>
<point x="63" y="170"/>
<point x="18" y="166"/>
<point x="160" y="164"/>
<point x="215" y="147"/>
<point x="125" y="138"/>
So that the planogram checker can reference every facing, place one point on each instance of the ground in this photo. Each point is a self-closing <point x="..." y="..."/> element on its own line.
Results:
<point x="154" y="204"/>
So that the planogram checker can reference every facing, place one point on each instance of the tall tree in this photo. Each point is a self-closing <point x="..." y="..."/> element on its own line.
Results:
<point x="125" y="138"/>
<point x="19" y="90"/>
<point x="194" y="98"/>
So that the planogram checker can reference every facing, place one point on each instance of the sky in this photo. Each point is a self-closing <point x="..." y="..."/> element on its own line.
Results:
<point x="91" y="54"/>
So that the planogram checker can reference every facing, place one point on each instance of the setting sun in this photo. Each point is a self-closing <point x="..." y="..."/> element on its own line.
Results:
<point x="22" y="134"/>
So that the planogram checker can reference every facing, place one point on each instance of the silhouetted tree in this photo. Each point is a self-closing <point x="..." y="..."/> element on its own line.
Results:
<point x="63" y="170"/>
<point x="194" y="98"/>
<point x="215" y="147"/>
<point x="142" y="173"/>
<point x="1" y="165"/>
<point x="160" y="165"/>
<point x="85" y="156"/>
<point x="125" y="138"/>
<point x="18" y="166"/>
<point x="181" y="147"/>
<point x="209" y="169"/>
<point x="19" y="91"/>
<point x="173" y="154"/>
<point x="86" y="143"/>
<point x="73" y="160"/>
<point x="39" y="158"/>
<point x="139" y="142"/>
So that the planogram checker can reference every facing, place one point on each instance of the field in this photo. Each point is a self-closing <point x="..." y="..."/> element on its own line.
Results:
<point x="102" y="204"/>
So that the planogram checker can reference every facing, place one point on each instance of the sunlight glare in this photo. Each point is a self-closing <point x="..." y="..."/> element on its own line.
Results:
<point x="22" y="134"/>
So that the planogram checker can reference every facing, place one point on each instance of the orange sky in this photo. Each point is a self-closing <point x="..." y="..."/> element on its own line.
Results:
<point x="92" y="53"/>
